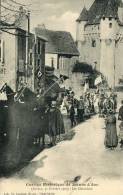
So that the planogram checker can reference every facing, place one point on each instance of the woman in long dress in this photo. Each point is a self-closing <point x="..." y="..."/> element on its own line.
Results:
<point x="121" y="134"/>
<point x="120" y="117"/>
<point x="111" y="138"/>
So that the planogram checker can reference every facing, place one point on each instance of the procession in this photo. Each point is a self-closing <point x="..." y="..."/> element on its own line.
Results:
<point x="78" y="110"/>
<point x="100" y="103"/>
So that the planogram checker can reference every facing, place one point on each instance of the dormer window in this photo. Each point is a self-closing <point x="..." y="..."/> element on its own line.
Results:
<point x="110" y="25"/>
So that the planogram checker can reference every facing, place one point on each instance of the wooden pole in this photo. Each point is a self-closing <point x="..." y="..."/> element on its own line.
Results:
<point x="0" y="10"/>
<point x="27" y="46"/>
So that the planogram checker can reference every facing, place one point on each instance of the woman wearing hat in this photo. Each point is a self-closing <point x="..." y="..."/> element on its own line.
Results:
<point x="111" y="138"/>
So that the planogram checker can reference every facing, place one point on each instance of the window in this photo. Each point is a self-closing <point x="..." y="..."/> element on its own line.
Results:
<point x="38" y="62"/>
<point x="110" y="25"/>
<point x="30" y="59"/>
<point x="93" y="43"/>
<point x="52" y="62"/>
<point x="58" y="63"/>
<point x="110" y="18"/>
<point x="39" y="47"/>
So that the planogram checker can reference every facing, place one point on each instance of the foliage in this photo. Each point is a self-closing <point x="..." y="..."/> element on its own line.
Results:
<point x="82" y="67"/>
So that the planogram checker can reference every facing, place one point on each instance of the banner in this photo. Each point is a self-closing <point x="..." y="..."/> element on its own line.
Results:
<point x="98" y="80"/>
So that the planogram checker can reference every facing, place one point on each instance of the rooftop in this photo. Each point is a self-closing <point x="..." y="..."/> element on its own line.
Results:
<point x="59" y="42"/>
<point x="83" y="16"/>
<point x="101" y="8"/>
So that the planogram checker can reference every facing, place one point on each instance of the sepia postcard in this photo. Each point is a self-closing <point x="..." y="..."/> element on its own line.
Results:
<point x="61" y="97"/>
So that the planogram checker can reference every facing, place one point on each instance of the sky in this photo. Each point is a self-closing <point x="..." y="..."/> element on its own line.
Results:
<point x="56" y="14"/>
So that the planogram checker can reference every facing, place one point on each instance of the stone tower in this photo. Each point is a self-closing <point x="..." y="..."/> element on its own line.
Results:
<point x="100" y="38"/>
<point x="108" y="32"/>
<point x="81" y="22"/>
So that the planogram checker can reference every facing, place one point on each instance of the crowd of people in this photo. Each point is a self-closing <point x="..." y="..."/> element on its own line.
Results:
<point x="96" y="102"/>
<point x="91" y="102"/>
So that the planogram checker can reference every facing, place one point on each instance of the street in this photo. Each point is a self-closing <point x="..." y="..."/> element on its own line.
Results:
<point x="84" y="156"/>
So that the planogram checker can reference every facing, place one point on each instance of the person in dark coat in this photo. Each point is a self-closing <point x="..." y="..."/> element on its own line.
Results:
<point x="120" y="117"/>
<point x="72" y="115"/>
<point x="80" y="109"/>
<point x="55" y="123"/>
<point x="111" y="138"/>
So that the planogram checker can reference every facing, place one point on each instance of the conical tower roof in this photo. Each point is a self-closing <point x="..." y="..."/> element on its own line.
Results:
<point x="83" y="16"/>
<point x="111" y="9"/>
<point x="96" y="11"/>
<point x="100" y="8"/>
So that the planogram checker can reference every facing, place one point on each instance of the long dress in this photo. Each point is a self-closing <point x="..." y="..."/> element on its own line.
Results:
<point x="121" y="131"/>
<point x="55" y="124"/>
<point x="111" y="138"/>
<point x="120" y="115"/>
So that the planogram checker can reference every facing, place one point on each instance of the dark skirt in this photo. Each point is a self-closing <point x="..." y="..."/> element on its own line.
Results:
<point x="111" y="138"/>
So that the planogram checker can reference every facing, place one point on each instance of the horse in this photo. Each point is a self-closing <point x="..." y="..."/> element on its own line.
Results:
<point x="20" y="123"/>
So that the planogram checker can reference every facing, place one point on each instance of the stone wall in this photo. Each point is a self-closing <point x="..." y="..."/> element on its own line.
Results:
<point x="89" y="47"/>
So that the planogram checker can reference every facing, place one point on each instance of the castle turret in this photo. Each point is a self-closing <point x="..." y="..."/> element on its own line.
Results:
<point x="81" y="21"/>
<point x="108" y="31"/>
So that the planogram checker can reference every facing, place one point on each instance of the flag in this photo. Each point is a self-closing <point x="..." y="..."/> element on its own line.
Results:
<point x="98" y="80"/>
<point x="86" y="87"/>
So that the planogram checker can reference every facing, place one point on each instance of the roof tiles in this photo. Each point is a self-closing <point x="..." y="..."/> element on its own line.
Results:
<point x="101" y="8"/>
<point x="59" y="42"/>
<point x="83" y="16"/>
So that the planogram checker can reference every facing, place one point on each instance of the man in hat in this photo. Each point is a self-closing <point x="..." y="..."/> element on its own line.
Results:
<point x="81" y="109"/>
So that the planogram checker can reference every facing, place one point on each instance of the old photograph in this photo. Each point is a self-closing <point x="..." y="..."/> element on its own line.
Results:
<point x="61" y="97"/>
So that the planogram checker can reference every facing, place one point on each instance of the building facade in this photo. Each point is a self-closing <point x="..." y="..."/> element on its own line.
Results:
<point x="100" y="38"/>
<point x="61" y="51"/>
<point x="19" y="64"/>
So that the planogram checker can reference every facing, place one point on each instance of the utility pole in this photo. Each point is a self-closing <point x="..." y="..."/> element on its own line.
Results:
<point x="0" y="27"/>
<point x="0" y="10"/>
